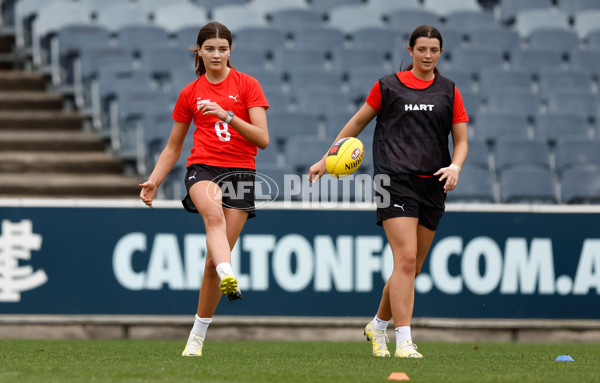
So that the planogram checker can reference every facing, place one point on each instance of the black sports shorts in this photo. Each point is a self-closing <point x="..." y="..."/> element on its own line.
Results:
<point x="411" y="196"/>
<point x="237" y="186"/>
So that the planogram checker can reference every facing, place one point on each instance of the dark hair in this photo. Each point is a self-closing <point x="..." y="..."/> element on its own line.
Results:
<point x="213" y="30"/>
<point x="423" y="31"/>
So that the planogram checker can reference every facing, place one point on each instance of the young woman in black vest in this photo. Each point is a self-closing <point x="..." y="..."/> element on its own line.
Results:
<point x="416" y="109"/>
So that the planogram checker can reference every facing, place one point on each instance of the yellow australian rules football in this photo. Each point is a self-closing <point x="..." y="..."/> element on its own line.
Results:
<point x="345" y="156"/>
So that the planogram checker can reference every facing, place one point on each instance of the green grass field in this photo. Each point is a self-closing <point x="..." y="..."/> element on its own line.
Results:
<point x="249" y="361"/>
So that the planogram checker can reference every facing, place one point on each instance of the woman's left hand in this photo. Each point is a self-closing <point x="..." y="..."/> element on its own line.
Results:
<point x="449" y="174"/>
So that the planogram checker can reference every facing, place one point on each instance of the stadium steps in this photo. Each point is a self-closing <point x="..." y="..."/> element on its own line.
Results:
<point x="45" y="152"/>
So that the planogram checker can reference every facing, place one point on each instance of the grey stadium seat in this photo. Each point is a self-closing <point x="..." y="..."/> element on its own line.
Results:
<point x="556" y="39"/>
<point x="353" y="17"/>
<point x="527" y="186"/>
<point x="290" y="20"/>
<point x="493" y="125"/>
<point x="494" y="79"/>
<point x="550" y="127"/>
<point x="518" y="152"/>
<point x="324" y="39"/>
<point x="573" y="152"/>
<point x="176" y="16"/>
<point x="531" y="20"/>
<point x="504" y="39"/>
<point x="475" y="186"/>
<point x="509" y="8"/>
<point x="580" y="186"/>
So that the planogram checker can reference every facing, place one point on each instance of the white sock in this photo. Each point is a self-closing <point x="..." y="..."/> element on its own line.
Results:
<point x="403" y="334"/>
<point x="379" y="324"/>
<point x="200" y="326"/>
<point x="224" y="269"/>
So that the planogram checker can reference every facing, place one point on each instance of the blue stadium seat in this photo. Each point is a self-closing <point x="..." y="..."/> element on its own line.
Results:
<point x="335" y="121"/>
<point x="186" y="37"/>
<point x="469" y="20"/>
<point x="475" y="185"/>
<point x="304" y="151"/>
<point x="533" y="60"/>
<point x="406" y="20"/>
<point x="553" y="80"/>
<point x="550" y="127"/>
<point x="587" y="60"/>
<point x="556" y="39"/>
<point x="519" y="152"/>
<point x="518" y="101"/>
<point x="478" y="155"/>
<point x="324" y="7"/>
<point x="453" y="38"/>
<point x="463" y="80"/>
<point x="495" y="79"/>
<point x="269" y="6"/>
<point x="472" y="102"/>
<point x="161" y="61"/>
<point x="212" y="4"/>
<point x="582" y="102"/>
<point x="268" y="79"/>
<point x="136" y="37"/>
<point x="353" y="17"/>
<point x="530" y="20"/>
<point x="284" y="124"/>
<point x="476" y="59"/>
<point x="247" y="56"/>
<point x="504" y="39"/>
<point x="361" y="81"/>
<point x="521" y="185"/>
<point x="375" y="38"/>
<point x="509" y="8"/>
<point x="118" y="15"/>
<point x="265" y="39"/>
<point x="384" y="7"/>
<point x="324" y="39"/>
<point x="103" y="54"/>
<point x="173" y="17"/>
<point x="444" y="7"/>
<point x="278" y="100"/>
<point x="237" y="17"/>
<point x="301" y="77"/>
<point x="586" y="21"/>
<point x="321" y="102"/>
<point x="593" y="39"/>
<point x="346" y="60"/>
<point x="285" y="58"/>
<point x="493" y="125"/>
<point x="571" y="7"/>
<point x="580" y="186"/>
<point x="574" y="152"/>
<point x="290" y="20"/>
<point x="268" y="158"/>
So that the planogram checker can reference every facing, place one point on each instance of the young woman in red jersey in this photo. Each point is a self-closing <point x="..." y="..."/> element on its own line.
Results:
<point x="228" y="109"/>
<point x="416" y="110"/>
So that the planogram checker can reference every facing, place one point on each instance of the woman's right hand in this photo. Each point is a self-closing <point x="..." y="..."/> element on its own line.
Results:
<point x="148" y="192"/>
<point x="317" y="170"/>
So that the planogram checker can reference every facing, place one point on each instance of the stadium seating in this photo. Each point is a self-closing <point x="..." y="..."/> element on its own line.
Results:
<point x="476" y="185"/>
<point x="443" y="7"/>
<point x="520" y="153"/>
<point x="406" y="20"/>
<point x="284" y="124"/>
<point x="352" y="17"/>
<point x="173" y="17"/>
<point x="524" y="185"/>
<point x="384" y="7"/>
<point x="492" y="125"/>
<point x="580" y="101"/>
<point x="527" y="71"/>
<point x="510" y="8"/>
<point x="347" y="60"/>
<point x="290" y="20"/>
<point x="531" y="20"/>
<point x="517" y="101"/>
<point x="553" y="80"/>
<point x="237" y="17"/>
<point x="580" y="186"/>
<point x="552" y="126"/>
<point x="560" y="40"/>
<point x="306" y="150"/>
<point x="571" y="7"/>
<point x="320" y="38"/>
<point x="265" y="39"/>
<point x="503" y="39"/>
<point x="575" y="152"/>
<point x="586" y="21"/>
<point x="496" y="79"/>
